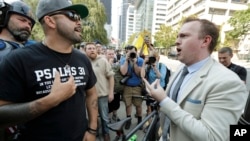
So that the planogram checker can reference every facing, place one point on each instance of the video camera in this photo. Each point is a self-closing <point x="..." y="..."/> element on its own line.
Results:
<point x="132" y="55"/>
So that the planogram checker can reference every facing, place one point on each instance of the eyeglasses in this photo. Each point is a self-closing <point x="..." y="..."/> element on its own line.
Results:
<point x="70" y="14"/>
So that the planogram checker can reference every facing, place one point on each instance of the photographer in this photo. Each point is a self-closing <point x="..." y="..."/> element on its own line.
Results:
<point x="151" y="70"/>
<point x="131" y="66"/>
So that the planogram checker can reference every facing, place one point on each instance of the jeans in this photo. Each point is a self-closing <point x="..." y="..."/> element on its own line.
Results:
<point x="165" y="122"/>
<point x="103" y="112"/>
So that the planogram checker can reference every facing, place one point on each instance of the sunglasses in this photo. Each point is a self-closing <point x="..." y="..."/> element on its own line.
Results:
<point x="73" y="16"/>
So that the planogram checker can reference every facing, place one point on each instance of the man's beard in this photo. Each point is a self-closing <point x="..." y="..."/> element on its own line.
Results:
<point x="92" y="56"/>
<point x="20" y="34"/>
<point x="70" y="35"/>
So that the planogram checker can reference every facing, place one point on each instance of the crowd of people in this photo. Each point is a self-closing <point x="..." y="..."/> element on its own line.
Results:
<point x="51" y="91"/>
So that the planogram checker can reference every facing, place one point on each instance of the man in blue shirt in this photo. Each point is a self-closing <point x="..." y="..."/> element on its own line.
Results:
<point x="130" y="65"/>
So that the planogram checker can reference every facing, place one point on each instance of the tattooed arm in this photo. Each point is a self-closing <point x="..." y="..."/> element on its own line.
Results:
<point x="14" y="113"/>
<point x="92" y="107"/>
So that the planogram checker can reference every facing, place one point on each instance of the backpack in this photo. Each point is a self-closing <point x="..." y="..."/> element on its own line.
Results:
<point x="168" y="74"/>
<point x="118" y="87"/>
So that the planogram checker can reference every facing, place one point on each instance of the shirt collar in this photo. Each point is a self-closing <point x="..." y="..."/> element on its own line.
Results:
<point x="195" y="67"/>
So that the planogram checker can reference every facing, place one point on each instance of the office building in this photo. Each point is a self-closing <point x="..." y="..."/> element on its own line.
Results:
<point x="108" y="6"/>
<point x="130" y="22"/>
<point x="159" y="16"/>
<point x="217" y="11"/>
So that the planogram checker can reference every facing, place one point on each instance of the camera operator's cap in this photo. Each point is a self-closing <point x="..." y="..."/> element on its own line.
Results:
<point x="46" y="7"/>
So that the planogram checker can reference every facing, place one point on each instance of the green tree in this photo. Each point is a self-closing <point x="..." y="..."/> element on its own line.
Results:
<point x="37" y="32"/>
<point x="240" y="21"/>
<point x="165" y="37"/>
<point x="93" y="25"/>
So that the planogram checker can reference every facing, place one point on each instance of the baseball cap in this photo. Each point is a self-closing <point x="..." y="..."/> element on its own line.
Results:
<point x="46" y="7"/>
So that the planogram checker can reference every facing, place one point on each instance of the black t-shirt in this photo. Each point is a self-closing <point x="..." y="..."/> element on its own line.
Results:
<point x="239" y="70"/>
<point x="28" y="73"/>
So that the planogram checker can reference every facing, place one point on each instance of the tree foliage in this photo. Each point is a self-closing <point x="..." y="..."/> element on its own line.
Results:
<point x="165" y="37"/>
<point x="93" y="25"/>
<point x="240" y="21"/>
<point x="37" y="32"/>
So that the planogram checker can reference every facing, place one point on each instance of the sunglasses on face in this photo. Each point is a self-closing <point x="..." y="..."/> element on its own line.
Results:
<point x="73" y="16"/>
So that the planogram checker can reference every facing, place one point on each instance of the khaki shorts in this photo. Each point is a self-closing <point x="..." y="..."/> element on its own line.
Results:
<point x="129" y="92"/>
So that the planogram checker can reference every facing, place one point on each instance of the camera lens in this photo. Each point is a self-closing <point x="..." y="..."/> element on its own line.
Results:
<point x="132" y="55"/>
<point x="151" y="60"/>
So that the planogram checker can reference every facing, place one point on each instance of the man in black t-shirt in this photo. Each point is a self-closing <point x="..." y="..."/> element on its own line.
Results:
<point x="49" y="86"/>
<point x="225" y="55"/>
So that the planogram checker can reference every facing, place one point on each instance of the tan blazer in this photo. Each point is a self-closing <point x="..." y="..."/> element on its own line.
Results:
<point x="214" y="99"/>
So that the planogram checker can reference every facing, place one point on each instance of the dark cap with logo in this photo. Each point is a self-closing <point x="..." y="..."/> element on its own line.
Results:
<point x="46" y="7"/>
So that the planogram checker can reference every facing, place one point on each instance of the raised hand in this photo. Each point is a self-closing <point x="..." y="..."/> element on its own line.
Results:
<point x="155" y="90"/>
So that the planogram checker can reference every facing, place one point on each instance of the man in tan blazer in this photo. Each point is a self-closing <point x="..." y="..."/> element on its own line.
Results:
<point x="210" y="98"/>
